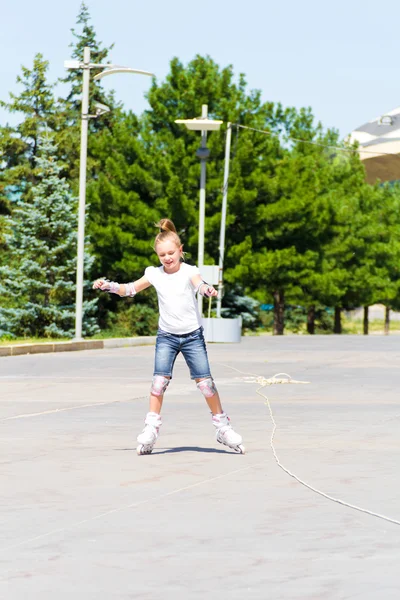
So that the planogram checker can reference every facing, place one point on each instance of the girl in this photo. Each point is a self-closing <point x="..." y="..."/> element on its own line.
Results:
<point x="180" y="330"/>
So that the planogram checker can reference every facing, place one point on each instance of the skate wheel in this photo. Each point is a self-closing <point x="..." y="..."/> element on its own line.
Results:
<point x="141" y="449"/>
<point x="239" y="449"/>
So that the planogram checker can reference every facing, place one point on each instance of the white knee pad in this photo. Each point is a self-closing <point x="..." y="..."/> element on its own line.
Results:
<point x="207" y="387"/>
<point x="159" y="385"/>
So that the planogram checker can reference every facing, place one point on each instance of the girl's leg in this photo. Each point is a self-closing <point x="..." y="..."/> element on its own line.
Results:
<point x="214" y="401"/>
<point x="166" y="352"/>
<point x="156" y="403"/>
<point x="225" y="433"/>
<point x="167" y="349"/>
<point x="195" y="353"/>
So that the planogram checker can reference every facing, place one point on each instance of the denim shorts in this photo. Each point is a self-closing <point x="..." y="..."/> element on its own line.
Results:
<point x="193" y="347"/>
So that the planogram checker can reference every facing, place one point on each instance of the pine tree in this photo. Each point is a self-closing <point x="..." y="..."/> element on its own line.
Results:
<point x="68" y="131"/>
<point x="278" y="212"/>
<point x="279" y="255"/>
<point x="98" y="54"/>
<point x="19" y="145"/>
<point x="173" y="149"/>
<point x="38" y="288"/>
<point x="123" y="201"/>
<point x="359" y="259"/>
<point x="367" y="250"/>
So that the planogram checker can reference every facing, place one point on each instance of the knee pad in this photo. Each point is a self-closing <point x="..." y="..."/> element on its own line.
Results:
<point x="159" y="385"/>
<point x="207" y="387"/>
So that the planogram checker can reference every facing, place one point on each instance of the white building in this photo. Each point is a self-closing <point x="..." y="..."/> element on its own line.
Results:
<point x="379" y="142"/>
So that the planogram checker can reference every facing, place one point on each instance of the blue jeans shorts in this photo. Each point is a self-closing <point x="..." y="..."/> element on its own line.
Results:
<point x="193" y="347"/>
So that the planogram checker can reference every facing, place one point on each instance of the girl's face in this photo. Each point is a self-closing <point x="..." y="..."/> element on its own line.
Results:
<point x="169" y="254"/>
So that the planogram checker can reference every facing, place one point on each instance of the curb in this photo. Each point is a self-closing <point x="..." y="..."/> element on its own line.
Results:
<point x="47" y="347"/>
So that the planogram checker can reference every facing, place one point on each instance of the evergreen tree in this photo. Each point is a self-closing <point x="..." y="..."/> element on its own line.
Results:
<point x="343" y="178"/>
<point x="280" y="199"/>
<point x="123" y="201"/>
<point x="19" y="145"/>
<point x="373" y="269"/>
<point x="172" y="149"/>
<point x="86" y="37"/>
<point x="363" y="257"/>
<point x="69" y="124"/>
<point x="389" y="256"/>
<point x="39" y="287"/>
<point x="279" y="257"/>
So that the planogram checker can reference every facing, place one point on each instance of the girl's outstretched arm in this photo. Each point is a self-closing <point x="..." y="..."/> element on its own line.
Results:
<point x="122" y="289"/>
<point x="202" y="287"/>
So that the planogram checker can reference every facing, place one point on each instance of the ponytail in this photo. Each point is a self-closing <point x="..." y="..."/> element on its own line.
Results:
<point x="167" y="231"/>
<point x="166" y="225"/>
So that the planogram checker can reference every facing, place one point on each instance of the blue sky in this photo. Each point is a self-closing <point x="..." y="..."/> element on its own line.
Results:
<point x="340" y="58"/>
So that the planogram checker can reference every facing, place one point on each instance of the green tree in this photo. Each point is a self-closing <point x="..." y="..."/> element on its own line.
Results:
<point x="68" y="134"/>
<point x="280" y="254"/>
<point x="343" y="178"/>
<point x="363" y="256"/>
<point x="280" y="204"/>
<point x="86" y="37"/>
<point x="173" y="150"/>
<point x="382" y="279"/>
<point x="19" y="145"/>
<point x="39" y="284"/>
<point x="123" y="201"/>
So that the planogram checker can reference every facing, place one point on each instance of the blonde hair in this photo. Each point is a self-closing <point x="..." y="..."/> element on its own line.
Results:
<point x="167" y="232"/>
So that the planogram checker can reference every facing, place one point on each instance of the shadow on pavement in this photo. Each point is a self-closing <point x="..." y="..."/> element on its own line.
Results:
<point x="181" y="449"/>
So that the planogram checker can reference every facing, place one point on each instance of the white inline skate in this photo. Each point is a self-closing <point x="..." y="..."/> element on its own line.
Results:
<point x="226" y="434"/>
<point x="149" y="435"/>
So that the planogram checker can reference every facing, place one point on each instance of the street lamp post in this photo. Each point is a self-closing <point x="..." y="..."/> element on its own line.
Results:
<point x="202" y="124"/>
<point x="110" y="69"/>
<point x="203" y="153"/>
<point x="223" y="218"/>
<point x="82" y="194"/>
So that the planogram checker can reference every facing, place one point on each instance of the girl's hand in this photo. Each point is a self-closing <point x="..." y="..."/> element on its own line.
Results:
<point x="101" y="284"/>
<point x="210" y="291"/>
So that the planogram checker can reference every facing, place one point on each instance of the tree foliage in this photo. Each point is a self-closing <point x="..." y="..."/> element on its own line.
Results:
<point x="42" y="242"/>
<point x="19" y="145"/>
<point x="303" y="227"/>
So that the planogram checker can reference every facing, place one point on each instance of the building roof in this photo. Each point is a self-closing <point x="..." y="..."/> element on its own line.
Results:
<point x="380" y="140"/>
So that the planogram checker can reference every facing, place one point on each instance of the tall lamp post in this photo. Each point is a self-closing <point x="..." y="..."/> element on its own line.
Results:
<point x="110" y="69"/>
<point x="202" y="124"/>
<point x="223" y="218"/>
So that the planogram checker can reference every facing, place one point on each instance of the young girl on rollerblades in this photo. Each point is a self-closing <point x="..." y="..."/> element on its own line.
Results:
<point x="179" y="330"/>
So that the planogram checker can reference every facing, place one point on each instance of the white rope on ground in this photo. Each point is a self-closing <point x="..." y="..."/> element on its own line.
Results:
<point x="263" y="382"/>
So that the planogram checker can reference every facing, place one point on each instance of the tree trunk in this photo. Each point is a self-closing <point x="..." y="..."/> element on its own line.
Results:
<point x="387" y="319"/>
<point x="338" y="320"/>
<point x="365" y="322"/>
<point x="311" y="319"/>
<point x="279" y="311"/>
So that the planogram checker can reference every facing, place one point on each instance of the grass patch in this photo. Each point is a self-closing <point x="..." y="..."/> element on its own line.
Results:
<point x="349" y="327"/>
<point x="356" y="327"/>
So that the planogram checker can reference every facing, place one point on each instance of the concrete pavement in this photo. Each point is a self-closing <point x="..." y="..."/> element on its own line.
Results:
<point x="83" y="516"/>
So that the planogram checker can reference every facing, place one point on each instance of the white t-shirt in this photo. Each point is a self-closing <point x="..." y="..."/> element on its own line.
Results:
<point x="176" y="298"/>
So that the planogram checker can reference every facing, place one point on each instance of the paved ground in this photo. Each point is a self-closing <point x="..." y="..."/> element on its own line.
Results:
<point x="83" y="517"/>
